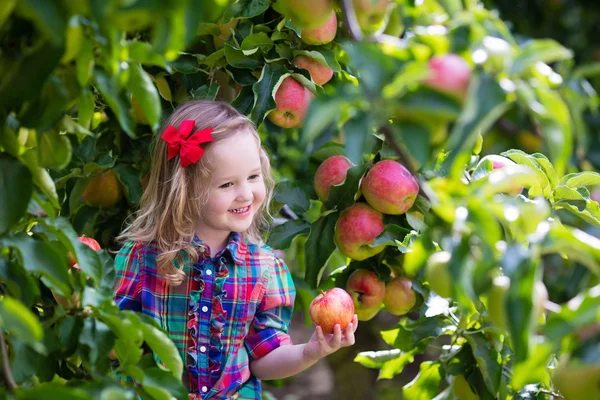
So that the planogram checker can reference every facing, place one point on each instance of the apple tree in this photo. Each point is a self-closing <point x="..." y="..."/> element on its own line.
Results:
<point x="386" y="121"/>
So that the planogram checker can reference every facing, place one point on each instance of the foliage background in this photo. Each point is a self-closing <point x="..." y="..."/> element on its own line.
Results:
<point x="84" y="86"/>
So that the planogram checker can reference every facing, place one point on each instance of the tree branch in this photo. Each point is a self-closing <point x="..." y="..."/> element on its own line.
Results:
<point x="6" y="372"/>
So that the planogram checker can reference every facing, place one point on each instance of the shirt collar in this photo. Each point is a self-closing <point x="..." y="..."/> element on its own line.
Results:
<point x="235" y="249"/>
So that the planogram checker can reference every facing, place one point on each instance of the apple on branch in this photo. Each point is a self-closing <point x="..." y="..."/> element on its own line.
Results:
<point x="356" y="230"/>
<point x="390" y="188"/>
<point x="335" y="306"/>
<point x="319" y="73"/>
<point x="400" y="297"/>
<point x="331" y="172"/>
<point x="291" y="104"/>
<point x="321" y="34"/>
<point x="368" y="293"/>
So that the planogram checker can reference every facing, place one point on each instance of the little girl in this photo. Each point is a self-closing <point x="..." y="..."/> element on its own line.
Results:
<point x="193" y="259"/>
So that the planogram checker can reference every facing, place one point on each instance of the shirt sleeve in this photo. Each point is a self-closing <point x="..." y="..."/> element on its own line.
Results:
<point x="269" y="328"/>
<point x="127" y="277"/>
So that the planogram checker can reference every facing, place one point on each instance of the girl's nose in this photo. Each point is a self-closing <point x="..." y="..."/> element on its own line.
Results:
<point x="245" y="193"/>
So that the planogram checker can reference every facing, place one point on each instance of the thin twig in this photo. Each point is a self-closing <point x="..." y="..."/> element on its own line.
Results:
<point x="350" y="20"/>
<point x="6" y="372"/>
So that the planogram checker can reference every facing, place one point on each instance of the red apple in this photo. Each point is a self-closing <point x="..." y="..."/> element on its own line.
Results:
<point x="332" y="307"/>
<point x="331" y="172"/>
<point x="390" y="188"/>
<point x="305" y="13"/>
<point x="322" y="34"/>
<point x="292" y="101"/>
<point x="356" y="230"/>
<point x="400" y="297"/>
<point x="319" y="73"/>
<point x="450" y="74"/>
<point x="367" y="292"/>
<point x="91" y="243"/>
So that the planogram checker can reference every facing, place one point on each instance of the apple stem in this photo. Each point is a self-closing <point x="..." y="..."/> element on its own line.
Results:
<point x="322" y="292"/>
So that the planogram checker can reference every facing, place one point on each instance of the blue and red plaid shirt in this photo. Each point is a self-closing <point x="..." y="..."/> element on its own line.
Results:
<point x="229" y="310"/>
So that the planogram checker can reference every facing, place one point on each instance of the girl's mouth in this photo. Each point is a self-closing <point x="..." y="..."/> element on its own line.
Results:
<point x="240" y="211"/>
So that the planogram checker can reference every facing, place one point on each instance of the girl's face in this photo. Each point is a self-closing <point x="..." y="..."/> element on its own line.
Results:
<point x="237" y="189"/>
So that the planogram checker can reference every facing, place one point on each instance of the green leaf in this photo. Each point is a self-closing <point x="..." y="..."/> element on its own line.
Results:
<point x="505" y="180"/>
<point x="264" y="91"/>
<point x="485" y="103"/>
<point x="586" y="178"/>
<point x="390" y="362"/>
<point x="252" y="43"/>
<point x="109" y="89"/>
<point x="164" y="348"/>
<point x="244" y="102"/>
<point x="343" y="195"/>
<point x="40" y="257"/>
<point x="579" y="313"/>
<point x="236" y="58"/>
<point x="282" y="235"/>
<point x="88" y="260"/>
<point x="407" y="334"/>
<point x="535" y="368"/>
<point x="557" y="130"/>
<point x="287" y="192"/>
<point x="41" y="177"/>
<point x="6" y="8"/>
<point x="19" y="321"/>
<point x="544" y="50"/>
<point x="376" y="359"/>
<point x="319" y="247"/>
<point x="130" y="179"/>
<point x="523" y="158"/>
<point x="578" y="204"/>
<point x="487" y="360"/>
<point x="144" y="53"/>
<point x="17" y="188"/>
<point x="392" y="235"/>
<point x="47" y="16"/>
<point x="373" y="68"/>
<point x="145" y="92"/>
<point x="427" y="103"/>
<point x="521" y="266"/>
<point x="246" y="9"/>
<point x="54" y="391"/>
<point x="426" y="384"/>
<point x="547" y="167"/>
<point x="415" y="138"/>
<point x="161" y="382"/>
<point x="54" y="150"/>
<point x="358" y="132"/>
<point x="24" y="77"/>
<point x="409" y="74"/>
<point x="573" y="244"/>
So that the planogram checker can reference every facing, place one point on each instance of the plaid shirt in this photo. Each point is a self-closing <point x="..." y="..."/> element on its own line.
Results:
<point x="230" y="309"/>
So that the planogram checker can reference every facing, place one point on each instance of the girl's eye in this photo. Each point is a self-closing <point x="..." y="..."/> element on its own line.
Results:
<point x="255" y="176"/>
<point x="226" y="185"/>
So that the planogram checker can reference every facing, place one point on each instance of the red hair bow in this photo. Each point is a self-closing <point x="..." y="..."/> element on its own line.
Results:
<point x="181" y="142"/>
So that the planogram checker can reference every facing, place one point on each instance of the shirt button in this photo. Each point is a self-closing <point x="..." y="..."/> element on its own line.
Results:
<point x="204" y="389"/>
<point x="208" y="272"/>
<point x="204" y="309"/>
<point x="202" y="349"/>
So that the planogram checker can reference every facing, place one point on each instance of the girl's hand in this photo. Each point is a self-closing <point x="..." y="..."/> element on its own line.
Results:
<point x="321" y="345"/>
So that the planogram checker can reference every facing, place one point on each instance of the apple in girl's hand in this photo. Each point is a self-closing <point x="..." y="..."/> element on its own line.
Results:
<point x="332" y="307"/>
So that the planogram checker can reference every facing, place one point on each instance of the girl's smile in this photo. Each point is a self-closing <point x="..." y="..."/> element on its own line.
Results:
<point x="241" y="211"/>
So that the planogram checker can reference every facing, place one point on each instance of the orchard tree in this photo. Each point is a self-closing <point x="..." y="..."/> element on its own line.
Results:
<point x="379" y="116"/>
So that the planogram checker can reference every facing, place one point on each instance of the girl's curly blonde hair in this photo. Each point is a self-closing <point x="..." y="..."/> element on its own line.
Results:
<point x="173" y="201"/>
